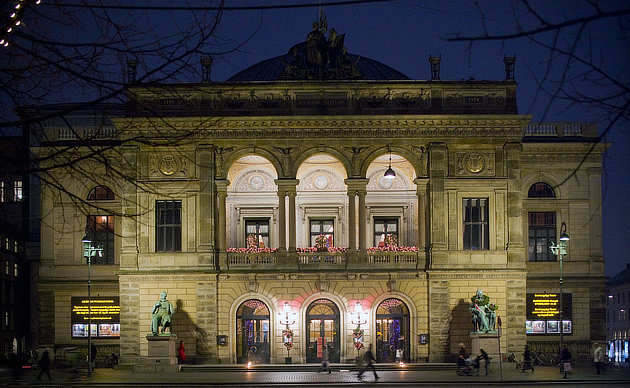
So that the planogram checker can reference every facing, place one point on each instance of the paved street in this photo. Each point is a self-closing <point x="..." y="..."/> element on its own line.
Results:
<point x="543" y="377"/>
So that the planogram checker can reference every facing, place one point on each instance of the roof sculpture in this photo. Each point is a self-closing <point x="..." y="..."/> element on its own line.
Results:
<point x="319" y="58"/>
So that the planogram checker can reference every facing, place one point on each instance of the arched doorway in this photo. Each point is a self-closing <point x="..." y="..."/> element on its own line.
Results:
<point x="322" y="329"/>
<point x="392" y="330"/>
<point x="252" y="332"/>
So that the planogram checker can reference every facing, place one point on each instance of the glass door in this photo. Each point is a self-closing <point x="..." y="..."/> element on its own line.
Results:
<point x="322" y="331"/>
<point x="252" y="332"/>
<point x="392" y="330"/>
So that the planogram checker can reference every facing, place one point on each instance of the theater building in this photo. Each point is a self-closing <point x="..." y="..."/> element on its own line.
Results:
<point x="311" y="196"/>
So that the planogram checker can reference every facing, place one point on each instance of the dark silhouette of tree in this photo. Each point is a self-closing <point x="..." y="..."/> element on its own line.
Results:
<point x="577" y="66"/>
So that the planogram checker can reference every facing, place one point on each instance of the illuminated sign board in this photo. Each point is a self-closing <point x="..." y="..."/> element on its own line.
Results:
<point x="102" y="311"/>
<point x="543" y="314"/>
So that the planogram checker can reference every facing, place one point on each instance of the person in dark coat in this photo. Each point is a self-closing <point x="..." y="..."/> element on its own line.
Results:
<point x="565" y="360"/>
<point x="44" y="366"/>
<point x="368" y="357"/>
<point x="93" y="352"/>
<point x="483" y="356"/>
<point x="527" y="360"/>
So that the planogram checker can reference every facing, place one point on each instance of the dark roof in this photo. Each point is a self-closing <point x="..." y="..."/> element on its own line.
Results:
<point x="273" y="69"/>
<point x="621" y="278"/>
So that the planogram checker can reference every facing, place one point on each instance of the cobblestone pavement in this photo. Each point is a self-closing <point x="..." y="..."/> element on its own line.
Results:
<point x="542" y="377"/>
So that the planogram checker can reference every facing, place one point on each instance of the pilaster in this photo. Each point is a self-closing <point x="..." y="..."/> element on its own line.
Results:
<point x="438" y="167"/>
<point x="129" y="224"/>
<point x="515" y="251"/>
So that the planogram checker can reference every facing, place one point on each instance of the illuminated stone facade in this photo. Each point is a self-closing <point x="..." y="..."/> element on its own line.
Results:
<point x="278" y="159"/>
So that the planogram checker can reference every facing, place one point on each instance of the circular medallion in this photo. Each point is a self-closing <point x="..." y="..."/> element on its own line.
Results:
<point x="474" y="163"/>
<point x="321" y="182"/>
<point x="385" y="183"/>
<point x="256" y="182"/>
<point x="168" y="165"/>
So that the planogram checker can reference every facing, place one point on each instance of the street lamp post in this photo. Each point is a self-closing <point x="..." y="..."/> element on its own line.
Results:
<point x="90" y="250"/>
<point x="560" y="249"/>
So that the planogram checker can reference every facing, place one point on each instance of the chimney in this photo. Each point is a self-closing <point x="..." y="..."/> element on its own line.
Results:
<point x="132" y="65"/>
<point x="206" y="69"/>
<point x="509" y="67"/>
<point x="435" y="67"/>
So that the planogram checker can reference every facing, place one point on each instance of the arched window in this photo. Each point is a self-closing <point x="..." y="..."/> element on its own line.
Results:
<point x="541" y="190"/>
<point x="100" y="193"/>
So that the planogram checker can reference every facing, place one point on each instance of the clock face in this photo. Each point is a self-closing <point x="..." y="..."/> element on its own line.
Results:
<point x="321" y="182"/>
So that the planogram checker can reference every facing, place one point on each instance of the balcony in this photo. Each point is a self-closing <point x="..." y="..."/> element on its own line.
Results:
<point x="402" y="260"/>
<point x="315" y="260"/>
<point x="251" y="260"/>
<point x="241" y="259"/>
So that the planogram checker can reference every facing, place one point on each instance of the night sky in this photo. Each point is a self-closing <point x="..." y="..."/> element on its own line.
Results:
<point x="402" y="34"/>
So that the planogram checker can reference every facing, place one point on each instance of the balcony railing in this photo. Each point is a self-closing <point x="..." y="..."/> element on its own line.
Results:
<point x="342" y="259"/>
<point x="322" y="258"/>
<point x="399" y="259"/>
<point x="249" y="259"/>
<point x="562" y="129"/>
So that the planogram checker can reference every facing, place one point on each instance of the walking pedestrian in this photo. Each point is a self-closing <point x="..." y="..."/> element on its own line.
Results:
<point x="565" y="361"/>
<point x="325" y="362"/>
<point x="483" y="356"/>
<point x="44" y="366"/>
<point x="527" y="360"/>
<point x="399" y="355"/>
<point x="598" y="358"/>
<point x="368" y="357"/>
<point x="181" y="353"/>
<point x="93" y="352"/>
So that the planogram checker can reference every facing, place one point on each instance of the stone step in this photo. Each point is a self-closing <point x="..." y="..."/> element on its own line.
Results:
<point x="310" y="367"/>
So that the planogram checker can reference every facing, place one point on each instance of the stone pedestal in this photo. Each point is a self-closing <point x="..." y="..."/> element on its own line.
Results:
<point x="162" y="355"/>
<point x="488" y="342"/>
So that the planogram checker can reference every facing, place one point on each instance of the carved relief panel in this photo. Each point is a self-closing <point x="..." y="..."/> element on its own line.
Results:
<point x="169" y="165"/>
<point x="473" y="163"/>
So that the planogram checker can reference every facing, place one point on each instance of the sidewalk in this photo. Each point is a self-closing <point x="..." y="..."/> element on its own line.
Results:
<point x="403" y="377"/>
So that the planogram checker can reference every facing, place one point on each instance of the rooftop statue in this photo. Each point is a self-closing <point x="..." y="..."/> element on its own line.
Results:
<point x="161" y="315"/>
<point x="483" y="312"/>
<point x="320" y="57"/>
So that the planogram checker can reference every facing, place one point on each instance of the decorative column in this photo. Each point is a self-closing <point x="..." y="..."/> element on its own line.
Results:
<point x="282" y="221"/>
<point x="292" y="223"/>
<point x="352" y="225"/>
<point x="287" y="187"/>
<point x="362" y="220"/>
<point x="356" y="186"/>
<point x="421" y="192"/>
<point x="221" y="185"/>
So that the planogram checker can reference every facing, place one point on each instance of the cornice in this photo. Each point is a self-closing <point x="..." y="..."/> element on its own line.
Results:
<point x="326" y="126"/>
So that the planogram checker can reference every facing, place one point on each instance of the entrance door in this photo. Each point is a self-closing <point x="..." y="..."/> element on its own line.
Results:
<point x="392" y="330"/>
<point x="322" y="329"/>
<point x="252" y="332"/>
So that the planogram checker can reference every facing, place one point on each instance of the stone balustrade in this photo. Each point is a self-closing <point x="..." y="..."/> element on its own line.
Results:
<point x="322" y="258"/>
<point x="400" y="259"/>
<point x="560" y="129"/>
<point x="251" y="259"/>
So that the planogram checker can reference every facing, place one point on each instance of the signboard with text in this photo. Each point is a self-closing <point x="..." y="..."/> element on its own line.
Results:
<point x="543" y="314"/>
<point x="102" y="311"/>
